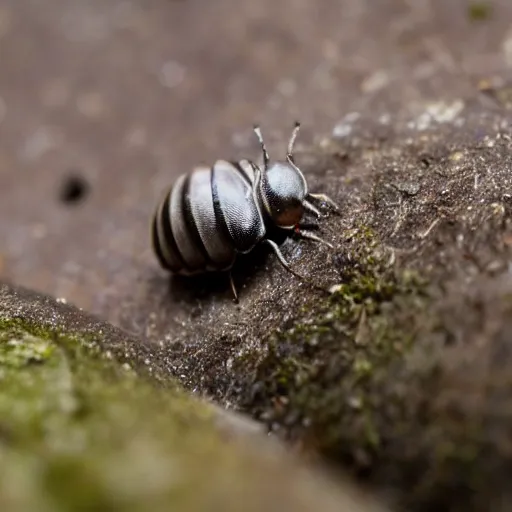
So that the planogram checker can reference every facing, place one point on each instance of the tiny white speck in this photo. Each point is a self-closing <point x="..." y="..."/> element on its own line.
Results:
<point x="344" y="127"/>
<point x="342" y="130"/>
<point x="375" y="82"/>
<point x="42" y="140"/>
<point x="171" y="74"/>
<point x="385" y="119"/>
<point x="438" y="112"/>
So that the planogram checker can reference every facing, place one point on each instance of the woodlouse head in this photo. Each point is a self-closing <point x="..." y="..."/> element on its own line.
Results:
<point x="281" y="187"/>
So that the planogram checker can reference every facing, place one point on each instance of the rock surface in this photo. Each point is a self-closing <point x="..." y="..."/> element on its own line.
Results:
<point x="80" y="431"/>
<point x="127" y="95"/>
<point x="401" y="374"/>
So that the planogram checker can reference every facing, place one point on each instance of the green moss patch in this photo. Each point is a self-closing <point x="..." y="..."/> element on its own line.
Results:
<point x="318" y="378"/>
<point x="478" y="11"/>
<point x="78" y="431"/>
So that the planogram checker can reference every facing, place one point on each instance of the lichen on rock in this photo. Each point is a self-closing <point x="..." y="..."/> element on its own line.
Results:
<point x="395" y="375"/>
<point x="81" y="430"/>
<point x="401" y="374"/>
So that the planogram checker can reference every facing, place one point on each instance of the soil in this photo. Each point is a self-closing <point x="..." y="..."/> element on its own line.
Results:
<point x="398" y="374"/>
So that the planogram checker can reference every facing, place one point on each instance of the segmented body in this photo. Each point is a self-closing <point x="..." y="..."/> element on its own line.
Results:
<point x="210" y="215"/>
<point x="207" y="217"/>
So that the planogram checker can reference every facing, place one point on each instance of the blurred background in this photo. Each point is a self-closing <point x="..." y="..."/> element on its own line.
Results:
<point x="102" y="104"/>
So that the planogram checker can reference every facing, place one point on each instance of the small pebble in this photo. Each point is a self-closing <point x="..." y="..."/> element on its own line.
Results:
<point x="411" y="188"/>
<point x="335" y="288"/>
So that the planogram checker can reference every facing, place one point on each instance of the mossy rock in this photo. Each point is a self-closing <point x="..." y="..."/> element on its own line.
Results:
<point x="81" y="431"/>
<point x="400" y="373"/>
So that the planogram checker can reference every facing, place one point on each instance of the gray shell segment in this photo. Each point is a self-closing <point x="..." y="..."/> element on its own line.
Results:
<point x="190" y="251"/>
<point x="206" y="217"/>
<point x="163" y="240"/>
<point x="235" y="203"/>
<point x="215" y="242"/>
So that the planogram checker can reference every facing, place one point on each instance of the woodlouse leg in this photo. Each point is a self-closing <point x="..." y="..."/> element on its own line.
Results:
<point x="282" y="259"/>
<point x="286" y="265"/>
<point x="311" y="236"/>
<point x="313" y="226"/>
<point x="326" y="199"/>
<point x="312" y="209"/>
<point x="233" y="288"/>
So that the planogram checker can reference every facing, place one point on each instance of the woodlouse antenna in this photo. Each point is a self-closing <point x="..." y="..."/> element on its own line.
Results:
<point x="185" y="233"/>
<point x="295" y="132"/>
<point x="312" y="209"/>
<point x="257" y="131"/>
<point x="291" y="144"/>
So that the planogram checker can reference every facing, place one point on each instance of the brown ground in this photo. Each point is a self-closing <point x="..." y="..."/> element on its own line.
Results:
<point x="83" y="91"/>
<point x="130" y="95"/>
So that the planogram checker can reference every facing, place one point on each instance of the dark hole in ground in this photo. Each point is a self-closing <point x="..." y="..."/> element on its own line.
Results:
<point x="73" y="190"/>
